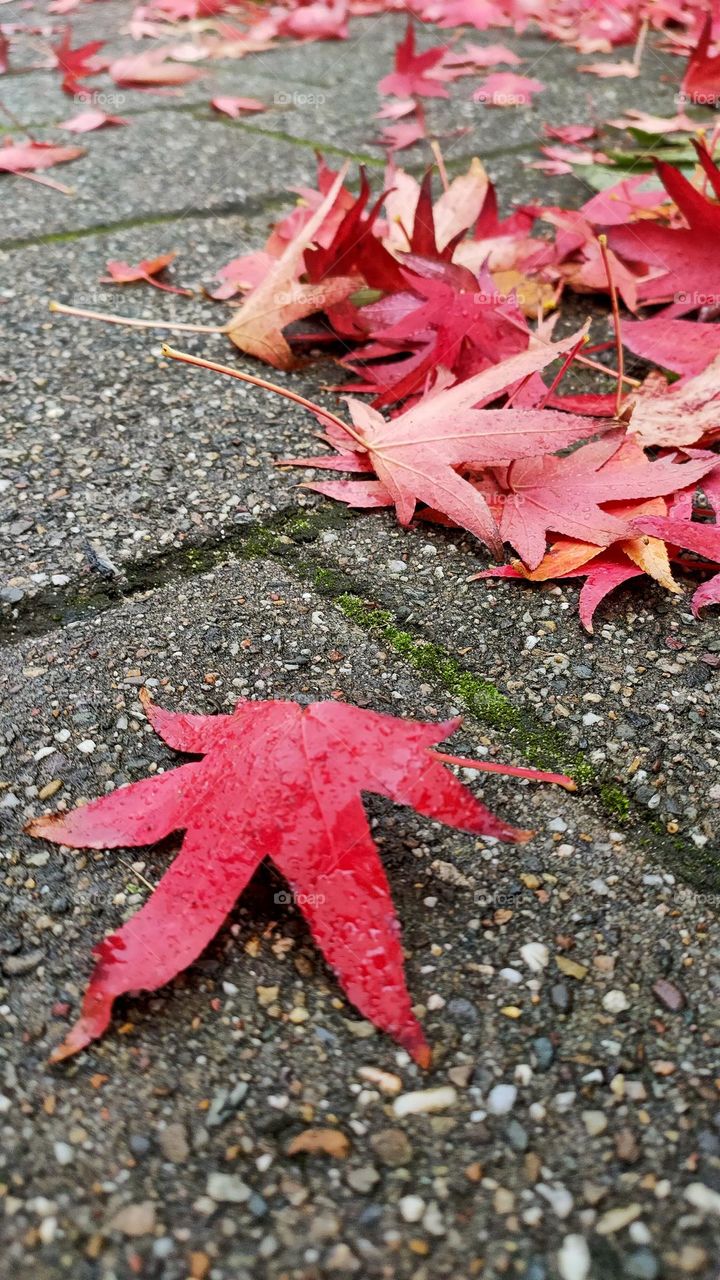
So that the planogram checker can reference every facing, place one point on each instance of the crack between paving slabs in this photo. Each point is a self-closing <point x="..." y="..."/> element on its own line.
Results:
<point x="283" y="538"/>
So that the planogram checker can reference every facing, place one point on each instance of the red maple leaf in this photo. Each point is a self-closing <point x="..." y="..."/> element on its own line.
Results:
<point x="701" y="82"/>
<point x="685" y="346"/>
<point x="704" y="539"/>
<point x="76" y="64"/>
<point x="123" y="273"/>
<point x="411" y="76"/>
<point x="685" y="263"/>
<point x="452" y="320"/>
<point x="415" y="455"/>
<point x="281" y="780"/>
<point x="566" y="494"/>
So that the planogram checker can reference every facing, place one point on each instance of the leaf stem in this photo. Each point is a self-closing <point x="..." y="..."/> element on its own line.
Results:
<point x="513" y="770"/>
<point x="201" y="363"/>
<point x="602" y="241"/>
<point x="133" y="323"/>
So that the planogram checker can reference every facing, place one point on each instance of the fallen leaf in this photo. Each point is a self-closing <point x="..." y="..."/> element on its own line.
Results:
<point x="416" y="453"/>
<point x="150" y="69"/>
<point x="506" y="89"/>
<point x="701" y="82"/>
<point x="87" y="121"/>
<point x="234" y="107"/>
<point x="301" y="804"/>
<point x="77" y="64"/>
<point x="611" y="70"/>
<point x="684" y="262"/>
<point x="681" y="414"/>
<point x="147" y="270"/>
<point x="684" y="346"/>
<point x="19" y="157"/>
<point x="703" y="539"/>
<point x="566" y="494"/>
<point x="412" y="76"/>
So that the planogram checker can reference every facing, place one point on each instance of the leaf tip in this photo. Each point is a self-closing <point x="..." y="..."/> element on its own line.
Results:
<point x="44" y="826"/>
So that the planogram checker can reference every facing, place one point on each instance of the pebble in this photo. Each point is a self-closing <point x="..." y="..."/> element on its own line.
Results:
<point x="558" y="1197"/>
<point x="615" y="1001"/>
<point x="703" y="1198"/>
<point x="536" y="956"/>
<point x="669" y="995"/>
<point x="411" y="1208"/>
<point x="501" y="1099"/>
<point x="363" y="1180"/>
<point x="595" y="1122"/>
<point x="560" y="997"/>
<point x="642" y="1265"/>
<point x="227" y="1188"/>
<point x="517" y="1136"/>
<point x="16" y="966"/>
<point x="544" y="1052"/>
<point x="341" y="1258"/>
<point x="432" y="1220"/>
<point x="385" y="1081"/>
<point x="461" y="1010"/>
<point x="425" y="1100"/>
<point x="174" y="1143"/>
<point x="64" y="1153"/>
<point x="571" y="968"/>
<point x="135" y="1219"/>
<point x="617" y="1219"/>
<point x="626" y="1146"/>
<point x="574" y="1258"/>
<point x="392" y="1147"/>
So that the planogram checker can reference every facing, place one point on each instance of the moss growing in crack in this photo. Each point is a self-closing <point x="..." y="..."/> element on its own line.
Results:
<point x="544" y="748"/>
<point x="616" y="801"/>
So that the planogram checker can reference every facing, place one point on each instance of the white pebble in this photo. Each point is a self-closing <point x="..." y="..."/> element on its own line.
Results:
<point x="423" y="1100"/>
<point x="574" y="1258"/>
<point x="513" y="976"/>
<point x="411" y="1208"/>
<point x="559" y="1199"/>
<point x="64" y="1153"/>
<point x="87" y="746"/>
<point x="595" y="1122"/>
<point x="703" y="1198"/>
<point x="615" y="1001"/>
<point x="501" y="1099"/>
<point x="535" y="955"/>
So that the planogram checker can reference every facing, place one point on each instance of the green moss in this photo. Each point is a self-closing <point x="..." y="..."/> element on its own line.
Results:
<point x="616" y="801"/>
<point x="543" y="747"/>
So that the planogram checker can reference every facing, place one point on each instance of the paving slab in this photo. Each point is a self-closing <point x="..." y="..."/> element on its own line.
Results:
<point x="582" y="1072"/>
<point x="638" y="700"/>
<point x="148" y="539"/>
